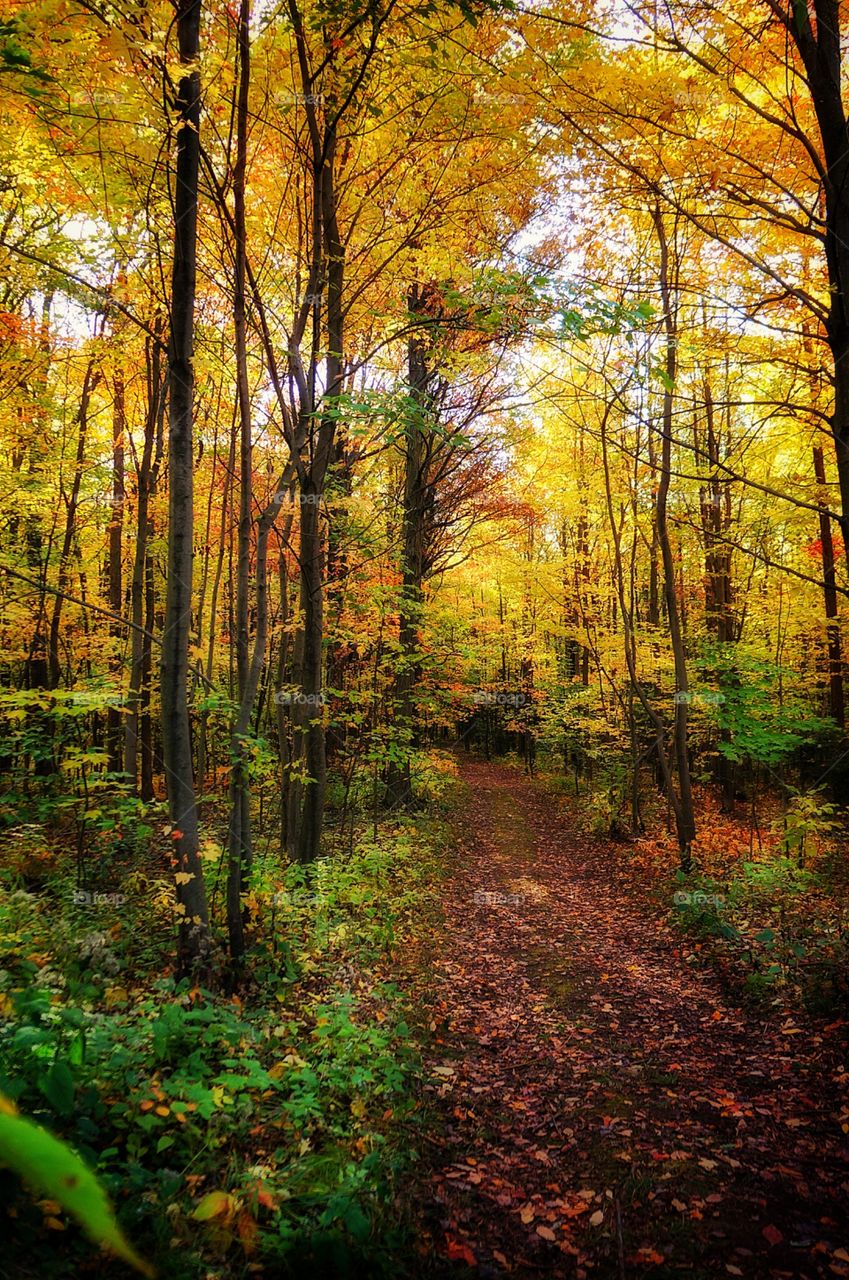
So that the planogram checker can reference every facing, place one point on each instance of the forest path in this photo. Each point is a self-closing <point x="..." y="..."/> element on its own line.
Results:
<point x="604" y="1109"/>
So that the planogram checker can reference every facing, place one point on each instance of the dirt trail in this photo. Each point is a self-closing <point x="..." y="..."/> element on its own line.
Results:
<point x="605" y="1110"/>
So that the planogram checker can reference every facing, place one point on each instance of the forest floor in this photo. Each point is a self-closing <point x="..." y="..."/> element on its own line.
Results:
<point x="603" y="1107"/>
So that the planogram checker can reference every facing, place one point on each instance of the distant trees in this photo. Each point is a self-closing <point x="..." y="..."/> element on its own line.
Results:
<point x="306" y="441"/>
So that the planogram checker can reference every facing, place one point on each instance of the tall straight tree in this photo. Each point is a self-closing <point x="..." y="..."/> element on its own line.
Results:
<point x="115" y="735"/>
<point x="176" y="729"/>
<point x="684" y="814"/>
<point x="240" y="850"/>
<point x="317" y="416"/>
<point x="399" y="789"/>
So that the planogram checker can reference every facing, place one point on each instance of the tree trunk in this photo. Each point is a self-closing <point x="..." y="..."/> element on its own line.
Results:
<point x="140" y="615"/>
<point x="240" y="847"/>
<point x="822" y="57"/>
<point x="72" y="502"/>
<point x="684" y="815"/>
<point x="835" y="657"/>
<point x="114" y="724"/>
<point x="176" y="728"/>
<point x="36" y="667"/>
<point x="399" y="791"/>
<point x="309" y="722"/>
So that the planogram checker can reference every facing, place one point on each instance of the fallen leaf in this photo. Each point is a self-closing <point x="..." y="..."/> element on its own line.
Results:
<point x="459" y="1251"/>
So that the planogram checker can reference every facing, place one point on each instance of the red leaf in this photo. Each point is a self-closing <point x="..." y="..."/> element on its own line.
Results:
<point x="458" y="1251"/>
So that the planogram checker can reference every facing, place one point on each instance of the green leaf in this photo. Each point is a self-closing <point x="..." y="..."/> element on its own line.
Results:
<point x="356" y="1222"/>
<point x="53" y="1170"/>
<point x="76" y="1050"/>
<point x="57" y="1085"/>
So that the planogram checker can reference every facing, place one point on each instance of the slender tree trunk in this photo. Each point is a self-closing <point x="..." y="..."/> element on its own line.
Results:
<point x="140" y="615"/>
<point x="240" y="849"/>
<point x="835" y="657"/>
<point x="90" y="381"/>
<point x="176" y="727"/>
<point x="820" y="49"/>
<point x="146" y="721"/>
<point x="114" y="729"/>
<point x="399" y="791"/>
<point x="309" y="712"/>
<point x="311" y="440"/>
<point x="339" y="651"/>
<point x="684" y="815"/>
<point x="282" y="721"/>
<point x="309" y="723"/>
<point x="718" y="602"/>
<point x="629" y="639"/>
<point x="36" y="668"/>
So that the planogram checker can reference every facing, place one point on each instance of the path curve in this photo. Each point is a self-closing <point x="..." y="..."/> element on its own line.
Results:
<point x="605" y="1110"/>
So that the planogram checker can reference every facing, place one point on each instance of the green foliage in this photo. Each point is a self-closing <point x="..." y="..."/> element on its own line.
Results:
<point x="700" y="908"/>
<point x="808" y="816"/>
<point x="16" y="60"/>
<point x="610" y="799"/>
<point x="583" y="311"/>
<point x="773" y="931"/>
<point x="51" y="1168"/>
<point x="763" y="718"/>
<point x="298" y="1089"/>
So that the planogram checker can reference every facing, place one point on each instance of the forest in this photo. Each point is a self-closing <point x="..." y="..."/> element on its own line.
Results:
<point x="424" y="561"/>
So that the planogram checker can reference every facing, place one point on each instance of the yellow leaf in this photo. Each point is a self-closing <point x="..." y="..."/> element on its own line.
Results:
<point x="213" y="1205"/>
